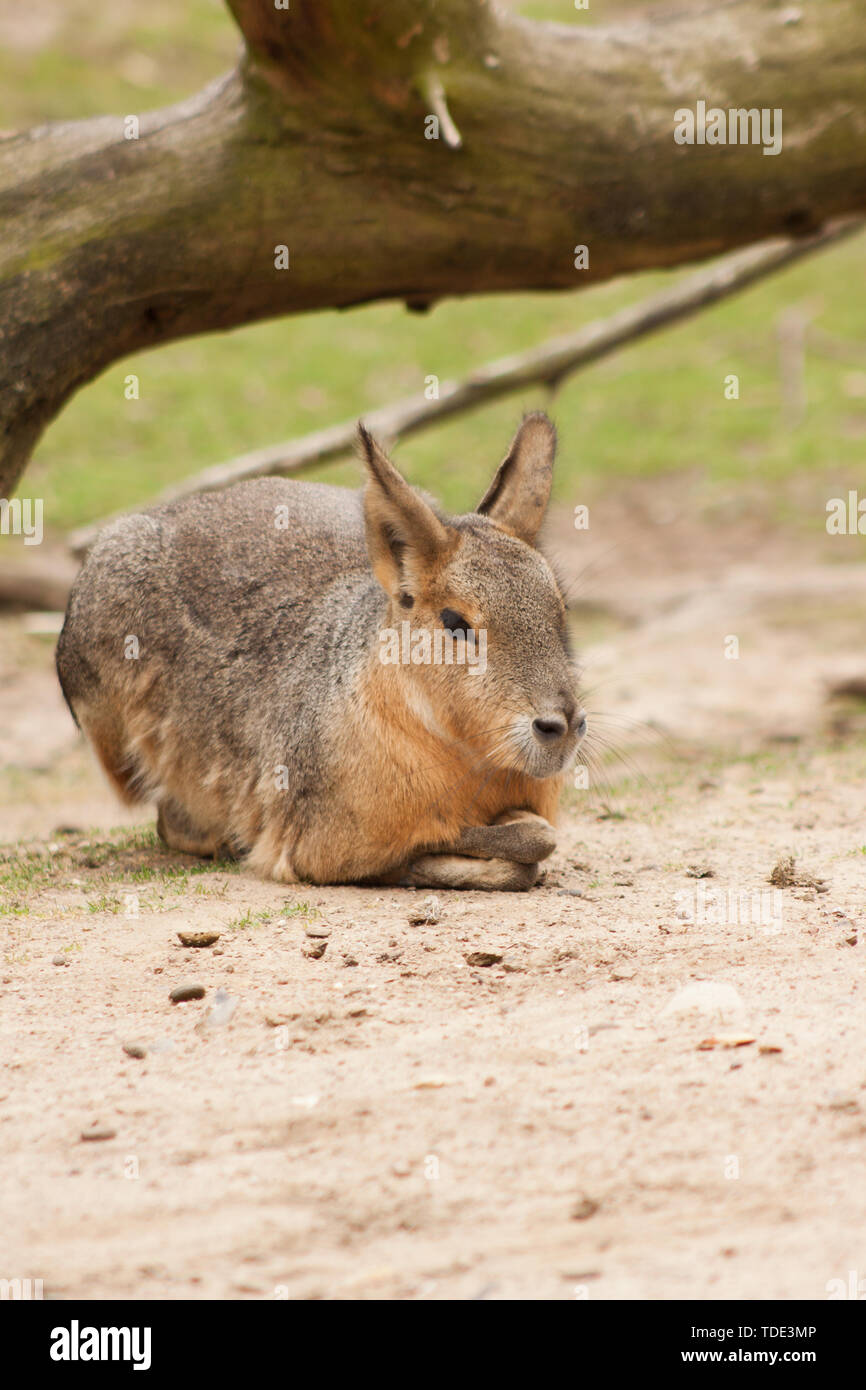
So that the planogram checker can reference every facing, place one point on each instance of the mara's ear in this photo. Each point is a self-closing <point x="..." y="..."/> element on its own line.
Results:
<point x="518" y="496"/>
<point x="405" y="538"/>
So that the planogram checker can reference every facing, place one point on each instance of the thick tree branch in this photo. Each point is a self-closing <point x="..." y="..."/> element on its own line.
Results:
<point x="317" y="143"/>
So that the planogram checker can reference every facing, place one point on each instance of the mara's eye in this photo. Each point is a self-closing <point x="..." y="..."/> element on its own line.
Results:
<point x="454" y="622"/>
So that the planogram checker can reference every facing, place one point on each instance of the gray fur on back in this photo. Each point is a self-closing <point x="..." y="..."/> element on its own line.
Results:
<point x="258" y="623"/>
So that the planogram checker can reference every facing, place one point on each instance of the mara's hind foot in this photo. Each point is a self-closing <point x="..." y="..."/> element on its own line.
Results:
<point x="459" y="871"/>
<point x="503" y="857"/>
<point x="177" y="831"/>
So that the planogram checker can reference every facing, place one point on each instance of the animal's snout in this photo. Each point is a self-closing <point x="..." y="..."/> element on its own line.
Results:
<point x="553" y="726"/>
<point x="550" y="728"/>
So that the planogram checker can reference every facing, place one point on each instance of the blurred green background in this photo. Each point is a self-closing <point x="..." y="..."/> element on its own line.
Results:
<point x="658" y="407"/>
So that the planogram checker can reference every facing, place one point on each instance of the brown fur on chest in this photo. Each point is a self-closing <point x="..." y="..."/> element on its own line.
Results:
<point x="409" y="787"/>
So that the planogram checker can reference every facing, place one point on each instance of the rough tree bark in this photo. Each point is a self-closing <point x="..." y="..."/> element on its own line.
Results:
<point x="550" y="137"/>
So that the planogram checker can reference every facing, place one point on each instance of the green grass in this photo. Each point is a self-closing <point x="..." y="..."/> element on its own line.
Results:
<point x="299" y="909"/>
<point x="656" y="408"/>
<point x="94" y="862"/>
<point x="104" y="903"/>
<point x="92" y="57"/>
<point x="249" y="919"/>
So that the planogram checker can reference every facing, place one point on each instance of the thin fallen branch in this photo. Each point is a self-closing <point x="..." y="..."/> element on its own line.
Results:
<point x="547" y="365"/>
<point x="36" y="583"/>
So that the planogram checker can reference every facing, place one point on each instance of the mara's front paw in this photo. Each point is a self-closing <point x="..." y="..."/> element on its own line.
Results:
<point x="521" y="836"/>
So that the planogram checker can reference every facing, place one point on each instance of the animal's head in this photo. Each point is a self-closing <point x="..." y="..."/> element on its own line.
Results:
<point x="475" y="618"/>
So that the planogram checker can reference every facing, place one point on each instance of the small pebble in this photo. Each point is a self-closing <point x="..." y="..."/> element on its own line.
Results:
<point x="320" y="933"/>
<point x="181" y="993"/>
<point x="134" y="1049"/>
<point x="483" y="958"/>
<point x="316" y="950"/>
<point x="59" y="959"/>
<point x="584" y="1209"/>
<point x="97" y="1132"/>
<point x="198" y="938"/>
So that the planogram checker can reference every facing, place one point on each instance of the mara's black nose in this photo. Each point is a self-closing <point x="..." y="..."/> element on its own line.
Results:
<point x="551" y="728"/>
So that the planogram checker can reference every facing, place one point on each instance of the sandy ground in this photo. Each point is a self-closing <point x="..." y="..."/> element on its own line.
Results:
<point x="657" y="1087"/>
